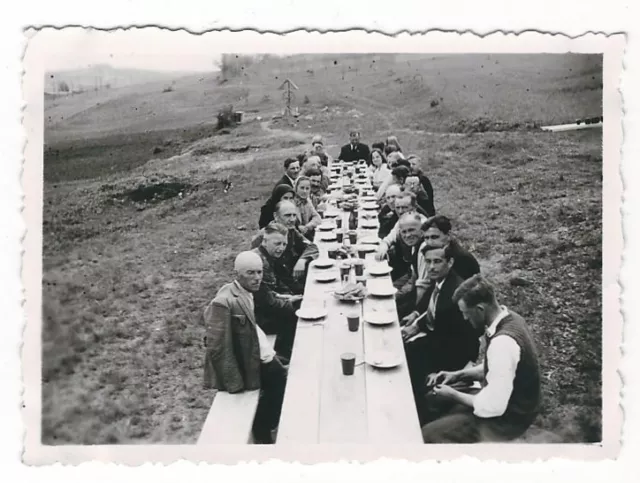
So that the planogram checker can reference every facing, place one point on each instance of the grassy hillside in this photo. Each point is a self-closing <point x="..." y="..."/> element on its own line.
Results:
<point x="396" y="92"/>
<point x="137" y="241"/>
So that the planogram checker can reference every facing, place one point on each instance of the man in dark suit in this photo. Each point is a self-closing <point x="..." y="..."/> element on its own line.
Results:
<point x="291" y="172"/>
<point x="355" y="150"/>
<point x="437" y="233"/>
<point x="238" y="354"/>
<point x="440" y="340"/>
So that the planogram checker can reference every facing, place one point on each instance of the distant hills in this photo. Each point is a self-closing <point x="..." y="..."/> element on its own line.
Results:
<point x="104" y="76"/>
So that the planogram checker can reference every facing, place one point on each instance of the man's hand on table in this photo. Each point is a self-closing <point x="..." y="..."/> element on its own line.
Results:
<point x="441" y="378"/>
<point x="291" y="298"/>
<point x="408" y="331"/>
<point x="409" y="319"/>
<point x="381" y="254"/>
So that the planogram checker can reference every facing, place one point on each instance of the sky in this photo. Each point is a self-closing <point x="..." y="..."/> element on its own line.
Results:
<point x="154" y="50"/>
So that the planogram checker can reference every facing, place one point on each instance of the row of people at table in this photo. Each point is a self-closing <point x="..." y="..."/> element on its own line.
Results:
<point x="444" y="307"/>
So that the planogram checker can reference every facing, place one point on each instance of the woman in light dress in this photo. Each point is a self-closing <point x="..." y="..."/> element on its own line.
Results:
<point x="307" y="214"/>
<point x="379" y="170"/>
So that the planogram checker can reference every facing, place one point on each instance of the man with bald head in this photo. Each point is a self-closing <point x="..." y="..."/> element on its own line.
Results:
<point x="238" y="354"/>
<point x="299" y="251"/>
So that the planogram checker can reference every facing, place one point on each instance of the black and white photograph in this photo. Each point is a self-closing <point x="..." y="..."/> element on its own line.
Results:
<point x="296" y="248"/>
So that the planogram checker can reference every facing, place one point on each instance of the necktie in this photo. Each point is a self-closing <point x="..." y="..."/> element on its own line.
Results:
<point x="431" y="310"/>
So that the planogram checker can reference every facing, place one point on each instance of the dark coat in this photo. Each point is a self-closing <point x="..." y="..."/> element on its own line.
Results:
<point x="464" y="263"/>
<point x="297" y="247"/>
<point x="284" y="180"/>
<point x="453" y="335"/>
<point x="274" y="274"/>
<point x="361" y="151"/>
<point x="232" y="356"/>
<point x="427" y="204"/>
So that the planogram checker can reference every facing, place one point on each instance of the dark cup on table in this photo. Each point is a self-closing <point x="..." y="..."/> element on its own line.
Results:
<point x="353" y="237"/>
<point x="345" y="268"/>
<point x="348" y="363"/>
<point x="339" y="236"/>
<point x="333" y="253"/>
<point x="359" y="265"/>
<point x="339" y="222"/>
<point x="353" y="321"/>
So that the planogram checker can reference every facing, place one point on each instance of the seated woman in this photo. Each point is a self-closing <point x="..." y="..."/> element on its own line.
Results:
<point x="307" y="214"/>
<point x="392" y="144"/>
<point x="379" y="170"/>
<point x="280" y="192"/>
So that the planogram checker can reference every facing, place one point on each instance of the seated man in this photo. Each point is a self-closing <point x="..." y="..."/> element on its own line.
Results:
<point x="403" y="257"/>
<point x="441" y="339"/>
<point x="509" y="400"/>
<point x="387" y="216"/>
<point x="291" y="172"/>
<point x="313" y="163"/>
<point x="299" y="251"/>
<point x="275" y="302"/>
<point x="404" y="203"/>
<point x="238" y="354"/>
<point x="437" y="233"/>
<point x="318" y="193"/>
<point x="355" y="150"/>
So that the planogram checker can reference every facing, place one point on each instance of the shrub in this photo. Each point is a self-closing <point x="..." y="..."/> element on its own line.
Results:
<point x="226" y="118"/>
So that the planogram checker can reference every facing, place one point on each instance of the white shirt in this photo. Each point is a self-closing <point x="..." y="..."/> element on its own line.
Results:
<point x="380" y="176"/>
<point x="502" y="357"/>
<point x="293" y="181"/>
<point x="266" y="349"/>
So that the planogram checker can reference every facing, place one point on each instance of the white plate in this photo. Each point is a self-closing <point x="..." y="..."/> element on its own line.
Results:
<point x="382" y="290"/>
<point x="370" y="240"/>
<point x="332" y="214"/>
<point x="369" y="198"/>
<point x="327" y="236"/>
<point x="311" y="313"/>
<point x="323" y="262"/>
<point x="366" y="248"/>
<point x="379" y="317"/>
<point x="370" y="206"/>
<point x="379" y="269"/>
<point x="326" y="226"/>
<point x="324" y="277"/>
<point x="369" y="224"/>
<point x="383" y="359"/>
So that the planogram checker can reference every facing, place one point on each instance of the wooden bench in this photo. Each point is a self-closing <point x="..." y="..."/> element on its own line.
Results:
<point x="231" y="416"/>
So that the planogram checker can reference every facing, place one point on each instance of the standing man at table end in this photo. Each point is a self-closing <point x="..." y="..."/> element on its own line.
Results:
<point x="238" y="354"/>
<point x="355" y="150"/>
<point x="509" y="400"/>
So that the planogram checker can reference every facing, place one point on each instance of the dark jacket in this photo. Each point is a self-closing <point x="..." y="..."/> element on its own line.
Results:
<point x="387" y="219"/>
<point x="232" y="356"/>
<point x="361" y="151"/>
<point x="297" y="247"/>
<point x="274" y="274"/>
<point x="454" y="336"/>
<point x="284" y="180"/>
<point x="464" y="263"/>
<point x="427" y="204"/>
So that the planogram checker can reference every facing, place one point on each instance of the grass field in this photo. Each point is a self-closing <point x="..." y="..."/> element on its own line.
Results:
<point x="125" y="280"/>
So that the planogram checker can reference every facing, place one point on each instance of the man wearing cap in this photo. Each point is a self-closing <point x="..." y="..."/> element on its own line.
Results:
<point x="355" y="150"/>
<point x="509" y="400"/>
<point x="238" y="355"/>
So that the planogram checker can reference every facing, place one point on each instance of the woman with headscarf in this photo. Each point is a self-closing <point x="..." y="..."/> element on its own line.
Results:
<point x="280" y="192"/>
<point x="308" y="216"/>
<point x="380" y="172"/>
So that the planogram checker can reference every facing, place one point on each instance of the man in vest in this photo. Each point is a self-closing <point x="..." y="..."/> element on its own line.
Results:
<point x="509" y="400"/>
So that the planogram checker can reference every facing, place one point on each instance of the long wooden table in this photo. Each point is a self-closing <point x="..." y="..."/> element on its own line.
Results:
<point x="321" y="405"/>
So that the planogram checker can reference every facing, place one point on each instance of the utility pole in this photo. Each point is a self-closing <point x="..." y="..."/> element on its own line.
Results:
<point x="288" y="95"/>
